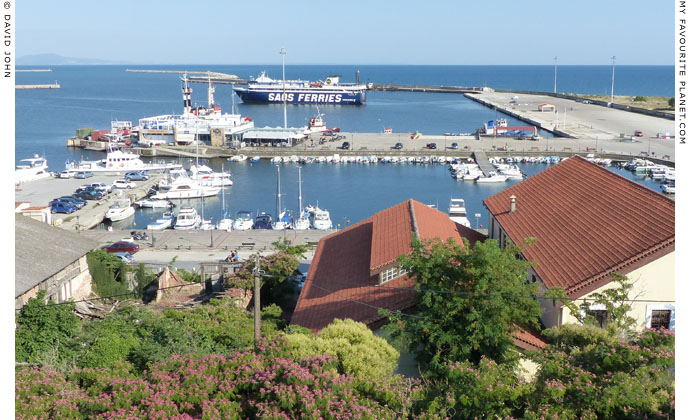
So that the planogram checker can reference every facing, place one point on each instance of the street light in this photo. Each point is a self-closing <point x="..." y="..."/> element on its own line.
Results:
<point x="477" y="216"/>
<point x="555" y="73"/>
<point x="283" y="52"/>
<point x="613" y="72"/>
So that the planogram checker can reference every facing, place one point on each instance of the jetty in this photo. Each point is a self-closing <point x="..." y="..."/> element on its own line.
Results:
<point x="50" y="86"/>
<point x="199" y="76"/>
<point x="424" y="88"/>
<point x="480" y="158"/>
<point x="32" y="70"/>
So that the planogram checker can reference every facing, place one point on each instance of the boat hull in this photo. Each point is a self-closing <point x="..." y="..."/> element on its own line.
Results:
<point x="302" y="96"/>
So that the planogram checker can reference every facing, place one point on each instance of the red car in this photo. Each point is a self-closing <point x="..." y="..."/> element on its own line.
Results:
<point x="638" y="133"/>
<point x="122" y="246"/>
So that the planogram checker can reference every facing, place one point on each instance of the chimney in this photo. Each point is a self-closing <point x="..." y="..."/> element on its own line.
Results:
<point x="512" y="203"/>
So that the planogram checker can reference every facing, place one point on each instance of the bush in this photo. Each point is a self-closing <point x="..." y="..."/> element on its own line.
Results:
<point x="672" y="102"/>
<point x="109" y="273"/>
<point x="639" y="99"/>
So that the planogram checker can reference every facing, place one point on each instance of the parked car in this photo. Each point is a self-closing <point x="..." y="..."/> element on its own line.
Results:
<point x="89" y="195"/>
<point x="123" y="184"/>
<point x="346" y="145"/>
<point x="122" y="246"/>
<point x="83" y="175"/>
<point x="88" y="188"/>
<point x="102" y="187"/>
<point x="69" y="202"/>
<point x="453" y="146"/>
<point x="398" y="146"/>
<point x="431" y="146"/>
<point x="638" y="133"/>
<point x="62" y="207"/>
<point x="125" y="256"/>
<point x="80" y="203"/>
<point x="66" y="174"/>
<point x="137" y="176"/>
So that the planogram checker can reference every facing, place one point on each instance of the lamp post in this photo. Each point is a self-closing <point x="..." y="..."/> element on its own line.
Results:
<point x="613" y="72"/>
<point x="211" y="218"/>
<point x="477" y="216"/>
<point x="283" y="52"/>
<point x="555" y="73"/>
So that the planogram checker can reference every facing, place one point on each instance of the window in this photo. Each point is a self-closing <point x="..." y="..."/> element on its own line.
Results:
<point x="391" y="273"/>
<point x="601" y="317"/>
<point x="661" y="319"/>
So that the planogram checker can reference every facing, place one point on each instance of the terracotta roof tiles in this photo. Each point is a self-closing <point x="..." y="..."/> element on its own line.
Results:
<point x="588" y="221"/>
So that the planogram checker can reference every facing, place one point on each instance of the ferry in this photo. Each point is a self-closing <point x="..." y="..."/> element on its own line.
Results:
<point x="198" y="124"/>
<point x="266" y="90"/>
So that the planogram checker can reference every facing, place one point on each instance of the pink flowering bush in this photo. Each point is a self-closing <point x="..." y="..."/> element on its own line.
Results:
<point x="266" y="384"/>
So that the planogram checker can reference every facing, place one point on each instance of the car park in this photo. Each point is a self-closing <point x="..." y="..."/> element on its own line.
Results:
<point x="136" y="176"/>
<point x="83" y="175"/>
<point x="346" y="145"/>
<point x="123" y="184"/>
<point x="66" y="174"/>
<point x="398" y="146"/>
<point x="121" y="246"/>
<point x="62" y="207"/>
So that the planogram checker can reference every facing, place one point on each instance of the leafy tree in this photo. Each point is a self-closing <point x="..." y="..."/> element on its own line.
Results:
<point x="283" y="245"/>
<point x="109" y="273"/>
<point x="45" y="331"/>
<point x="278" y="277"/>
<point x="672" y="102"/>
<point x="470" y="301"/>
<point x="617" y="302"/>
<point x="358" y="350"/>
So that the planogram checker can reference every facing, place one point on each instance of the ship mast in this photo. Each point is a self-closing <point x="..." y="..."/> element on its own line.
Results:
<point x="278" y="197"/>
<point x="299" y="181"/>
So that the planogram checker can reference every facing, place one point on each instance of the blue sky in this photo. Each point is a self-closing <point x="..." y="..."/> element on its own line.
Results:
<point x="350" y="32"/>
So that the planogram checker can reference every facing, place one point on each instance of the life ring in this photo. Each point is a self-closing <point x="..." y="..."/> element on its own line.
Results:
<point x="122" y="165"/>
<point x="110" y="165"/>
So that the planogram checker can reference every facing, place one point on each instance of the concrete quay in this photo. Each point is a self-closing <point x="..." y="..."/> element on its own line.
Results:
<point x="587" y="122"/>
<point x="40" y="193"/>
<point x="50" y="86"/>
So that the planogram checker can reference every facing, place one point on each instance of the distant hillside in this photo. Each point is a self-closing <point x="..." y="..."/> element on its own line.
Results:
<point x="57" y="60"/>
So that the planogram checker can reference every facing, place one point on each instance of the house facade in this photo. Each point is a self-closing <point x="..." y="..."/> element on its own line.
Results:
<point x="590" y="223"/>
<point x="51" y="259"/>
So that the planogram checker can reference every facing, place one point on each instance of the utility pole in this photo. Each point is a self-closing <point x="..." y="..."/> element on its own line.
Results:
<point x="257" y="303"/>
<point x="613" y="72"/>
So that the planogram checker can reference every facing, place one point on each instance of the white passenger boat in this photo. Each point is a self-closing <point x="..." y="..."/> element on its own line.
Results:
<point x="31" y="169"/>
<point x="119" y="161"/>
<point x="322" y="220"/>
<point x="492" y="178"/>
<point x="120" y="210"/>
<point x="187" y="219"/>
<point x="243" y="221"/>
<point x="162" y="223"/>
<point x="186" y="188"/>
<point x="457" y="212"/>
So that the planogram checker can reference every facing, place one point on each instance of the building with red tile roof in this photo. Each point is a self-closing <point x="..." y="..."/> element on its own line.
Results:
<point x="590" y="222"/>
<point x="355" y="272"/>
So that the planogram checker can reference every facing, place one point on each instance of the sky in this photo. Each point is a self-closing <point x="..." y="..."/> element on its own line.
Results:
<point x="587" y="32"/>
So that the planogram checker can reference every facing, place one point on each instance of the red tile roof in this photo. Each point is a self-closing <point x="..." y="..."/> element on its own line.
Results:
<point x="589" y="222"/>
<point x="342" y="280"/>
<point x="528" y="339"/>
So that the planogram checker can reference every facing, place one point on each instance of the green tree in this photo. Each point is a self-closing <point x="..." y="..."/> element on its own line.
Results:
<point x="616" y="301"/>
<point x="109" y="273"/>
<point x="358" y="350"/>
<point x="45" y="332"/>
<point x="470" y="301"/>
<point x="672" y="102"/>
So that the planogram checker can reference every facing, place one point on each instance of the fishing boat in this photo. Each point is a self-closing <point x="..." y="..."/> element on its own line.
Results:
<point x="457" y="212"/>
<point x="318" y="125"/>
<point x="164" y="222"/>
<point x="263" y="89"/>
<point x="187" y="219"/>
<point x="302" y="222"/>
<point x="31" y="169"/>
<point x="120" y="210"/>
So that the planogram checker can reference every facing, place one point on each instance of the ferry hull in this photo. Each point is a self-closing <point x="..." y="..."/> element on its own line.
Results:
<point x="302" y="97"/>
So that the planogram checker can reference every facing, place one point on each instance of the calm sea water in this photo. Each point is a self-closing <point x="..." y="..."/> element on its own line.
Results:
<point x="92" y="96"/>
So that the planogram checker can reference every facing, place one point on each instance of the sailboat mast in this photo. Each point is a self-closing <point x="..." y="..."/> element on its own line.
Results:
<point x="278" y="195"/>
<point x="222" y="189"/>
<point x="299" y="181"/>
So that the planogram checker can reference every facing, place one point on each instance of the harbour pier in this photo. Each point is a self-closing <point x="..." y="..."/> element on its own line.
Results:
<point x="55" y="85"/>
<point x="425" y="88"/>
<point x="483" y="162"/>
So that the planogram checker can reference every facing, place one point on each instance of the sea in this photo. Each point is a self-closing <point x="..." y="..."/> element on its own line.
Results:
<point x="92" y="96"/>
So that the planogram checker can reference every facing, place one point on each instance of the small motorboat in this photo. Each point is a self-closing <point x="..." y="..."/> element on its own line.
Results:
<point x="457" y="212"/>
<point x="492" y="178"/>
<point x="187" y="219"/>
<point x="243" y="221"/>
<point x="154" y="204"/>
<point x="162" y="223"/>
<point x="263" y="221"/>
<point x="121" y="210"/>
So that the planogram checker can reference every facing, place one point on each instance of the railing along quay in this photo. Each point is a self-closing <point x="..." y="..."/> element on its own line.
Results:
<point x="425" y="88"/>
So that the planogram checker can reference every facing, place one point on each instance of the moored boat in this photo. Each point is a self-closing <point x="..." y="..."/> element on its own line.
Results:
<point x="457" y="212"/>
<point x="120" y="210"/>
<point x="164" y="222"/>
<point x="187" y="219"/>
